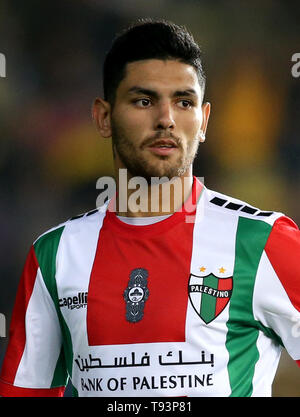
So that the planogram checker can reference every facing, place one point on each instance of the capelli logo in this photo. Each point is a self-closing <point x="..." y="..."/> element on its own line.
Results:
<point x="296" y="67"/>
<point x="2" y="66"/>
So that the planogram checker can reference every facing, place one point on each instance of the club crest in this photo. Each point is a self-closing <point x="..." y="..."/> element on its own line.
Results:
<point x="209" y="295"/>
<point x="136" y="294"/>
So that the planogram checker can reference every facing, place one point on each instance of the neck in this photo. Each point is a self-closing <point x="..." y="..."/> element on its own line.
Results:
<point x="137" y="198"/>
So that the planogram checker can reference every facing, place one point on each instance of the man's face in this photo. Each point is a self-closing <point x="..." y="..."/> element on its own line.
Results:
<point x="157" y="119"/>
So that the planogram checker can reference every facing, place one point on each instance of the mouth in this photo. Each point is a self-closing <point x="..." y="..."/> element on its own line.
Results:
<point x="163" y="147"/>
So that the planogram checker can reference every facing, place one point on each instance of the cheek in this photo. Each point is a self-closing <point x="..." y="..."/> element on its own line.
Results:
<point x="132" y="122"/>
<point x="122" y="125"/>
<point x="192" y="125"/>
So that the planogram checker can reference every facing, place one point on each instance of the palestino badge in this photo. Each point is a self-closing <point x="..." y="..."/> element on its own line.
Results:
<point x="136" y="294"/>
<point x="209" y="295"/>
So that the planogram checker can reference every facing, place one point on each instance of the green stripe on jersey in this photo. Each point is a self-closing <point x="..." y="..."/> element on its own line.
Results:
<point x="46" y="250"/>
<point x="208" y="303"/>
<point x="243" y="329"/>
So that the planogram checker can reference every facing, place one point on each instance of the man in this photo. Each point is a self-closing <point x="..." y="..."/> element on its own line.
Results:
<point x="191" y="298"/>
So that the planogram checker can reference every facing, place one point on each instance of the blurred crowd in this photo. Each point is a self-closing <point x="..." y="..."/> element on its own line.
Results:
<point x="51" y="154"/>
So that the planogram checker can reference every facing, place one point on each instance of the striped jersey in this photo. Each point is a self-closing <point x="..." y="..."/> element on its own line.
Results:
<point x="198" y="304"/>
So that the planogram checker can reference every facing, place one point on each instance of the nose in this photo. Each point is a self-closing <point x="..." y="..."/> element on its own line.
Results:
<point x="164" y="117"/>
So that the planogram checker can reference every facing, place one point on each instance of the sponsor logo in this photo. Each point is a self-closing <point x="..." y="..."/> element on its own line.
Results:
<point x="147" y="383"/>
<point x="78" y="301"/>
<point x="136" y="294"/>
<point x="209" y="295"/>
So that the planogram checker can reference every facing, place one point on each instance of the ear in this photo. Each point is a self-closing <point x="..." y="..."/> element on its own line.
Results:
<point x="101" y="113"/>
<point x="205" y="116"/>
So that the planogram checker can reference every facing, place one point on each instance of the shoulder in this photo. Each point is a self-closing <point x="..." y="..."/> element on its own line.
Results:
<point x="283" y="251"/>
<point x="279" y="236"/>
<point x="278" y="231"/>
<point x="229" y="207"/>
<point x="74" y="225"/>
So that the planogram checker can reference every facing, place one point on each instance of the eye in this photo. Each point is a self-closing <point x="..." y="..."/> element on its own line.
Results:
<point x="185" y="104"/>
<point x="143" y="102"/>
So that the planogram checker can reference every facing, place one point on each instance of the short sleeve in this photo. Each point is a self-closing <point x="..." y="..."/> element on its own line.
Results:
<point x="34" y="362"/>
<point x="276" y="302"/>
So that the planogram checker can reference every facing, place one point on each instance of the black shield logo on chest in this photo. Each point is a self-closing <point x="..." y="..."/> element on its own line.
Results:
<point x="136" y="294"/>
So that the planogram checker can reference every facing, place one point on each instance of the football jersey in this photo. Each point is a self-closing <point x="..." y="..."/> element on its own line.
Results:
<point x="198" y="304"/>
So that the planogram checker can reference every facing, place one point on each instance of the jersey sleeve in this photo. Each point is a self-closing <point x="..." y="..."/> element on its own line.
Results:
<point x="34" y="363"/>
<point x="276" y="302"/>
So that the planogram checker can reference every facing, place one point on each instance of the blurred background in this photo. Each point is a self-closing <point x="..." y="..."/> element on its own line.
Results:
<point x="51" y="155"/>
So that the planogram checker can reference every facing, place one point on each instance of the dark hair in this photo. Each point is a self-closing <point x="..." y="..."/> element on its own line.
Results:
<point x="149" y="39"/>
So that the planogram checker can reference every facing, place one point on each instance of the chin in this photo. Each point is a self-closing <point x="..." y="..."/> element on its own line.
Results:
<point x="166" y="173"/>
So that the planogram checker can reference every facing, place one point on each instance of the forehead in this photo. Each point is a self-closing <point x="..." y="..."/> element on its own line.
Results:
<point x="160" y="75"/>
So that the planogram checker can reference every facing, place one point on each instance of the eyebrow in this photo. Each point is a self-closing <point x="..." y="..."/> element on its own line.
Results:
<point x="187" y="92"/>
<point x="155" y="94"/>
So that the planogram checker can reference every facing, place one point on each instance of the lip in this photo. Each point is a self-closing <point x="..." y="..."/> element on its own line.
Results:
<point x="162" y="142"/>
<point x="163" y="147"/>
<point x="162" y="151"/>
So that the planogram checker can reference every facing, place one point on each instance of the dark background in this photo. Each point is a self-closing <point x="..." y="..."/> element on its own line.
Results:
<point x="51" y="155"/>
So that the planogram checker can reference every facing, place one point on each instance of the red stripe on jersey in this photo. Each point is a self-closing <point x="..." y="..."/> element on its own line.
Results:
<point x="8" y="390"/>
<point x="17" y="332"/>
<point x="224" y="284"/>
<point x="283" y="251"/>
<point x="164" y="249"/>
